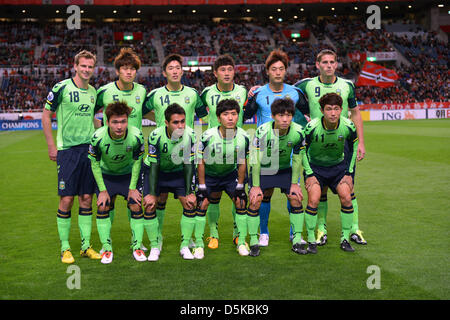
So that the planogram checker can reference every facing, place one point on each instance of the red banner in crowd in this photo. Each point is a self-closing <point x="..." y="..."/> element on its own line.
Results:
<point x="375" y="75"/>
<point x="405" y="106"/>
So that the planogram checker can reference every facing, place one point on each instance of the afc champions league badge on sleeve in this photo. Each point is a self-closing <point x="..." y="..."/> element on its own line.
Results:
<point x="50" y="96"/>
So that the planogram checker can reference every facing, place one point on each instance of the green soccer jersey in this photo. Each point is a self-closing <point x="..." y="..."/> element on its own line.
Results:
<point x="276" y="150"/>
<point x="188" y="98"/>
<point x="326" y="147"/>
<point x="211" y="96"/>
<point x="170" y="153"/>
<point x="222" y="156"/>
<point x="117" y="156"/>
<point x="134" y="98"/>
<point x="314" y="89"/>
<point x="74" y="109"/>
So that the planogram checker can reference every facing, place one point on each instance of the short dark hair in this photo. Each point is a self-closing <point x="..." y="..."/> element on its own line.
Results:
<point x="117" y="108"/>
<point x="226" y="105"/>
<point x="223" y="60"/>
<point x="275" y="56"/>
<point x="174" y="108"/>
<point x="282" y="106"/>
<point x="127" y="57"/>
<point x="330" y="98"/>
<point x="170" y="58"/>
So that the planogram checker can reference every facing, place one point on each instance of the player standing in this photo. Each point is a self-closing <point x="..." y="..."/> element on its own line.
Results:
<point x="171" y="168"/>
<point x="116" y="151"/>
<point x="224" y="88"/>
<point x="124" y="89"/>
<point x="279" y="144"/>
<point x="223" y="154"/>
<point x="325" y="164"/>
<point x="260" y="104"/>
<point x="173" y="92"/>
<point x="73" y="100"/>
<point x="315" y="88"/>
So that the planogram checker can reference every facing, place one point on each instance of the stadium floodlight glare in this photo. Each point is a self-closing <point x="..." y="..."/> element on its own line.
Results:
<point x="139" y="11"/>
<point x="371" y="59"/>
<point x="57" y="11"/>
<point x="356" y="8"/>
<point x="301" y="9"/>
<point x="279" y="10"/>
<point x="170" y="11"/>
<point x="295" y="17"/>
<point x="332" y="9"/>
<point x="248" y="10"/>
<point x="440" y="5"/>
<point x="225" y="10"/>
<point x="193" y="63"/>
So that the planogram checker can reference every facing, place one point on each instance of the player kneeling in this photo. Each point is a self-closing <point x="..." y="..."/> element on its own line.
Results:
<point x="223" y="154"/>
<point x="115" y="152"/>
<point x="170" y="167"/>
<point x="325" y="165"/>
<point x="277" y="143"/>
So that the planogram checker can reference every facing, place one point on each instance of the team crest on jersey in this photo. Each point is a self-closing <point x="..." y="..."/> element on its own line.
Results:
<point x="92" y="99"/>
<point x="238" y="99"/>
<point x="287" y="96"/>
<point x="138" y="99"/>
<point x="289" y="144"/>
<point x="129" y="148"/>
<point x="338" y="91"/>
<point x="340" y="138"/>
<point x="187" y="100"/>
<point x="50" y="96"/>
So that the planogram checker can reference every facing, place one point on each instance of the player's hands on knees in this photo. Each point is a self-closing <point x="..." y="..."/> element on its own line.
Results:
<point x="240" y="197"/>
<point x="103" y="199"/>
<point x="191" y="201"/>
<point x="310" y="182"/>
<point x="295" y="192"/>
<point x="135" y="195"/>
<point x="52" y="152"/>
<point x="255" y="195"/>
<point x="149" y="202"/>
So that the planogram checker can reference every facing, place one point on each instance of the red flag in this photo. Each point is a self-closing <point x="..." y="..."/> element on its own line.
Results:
<point x="375" y="75"/>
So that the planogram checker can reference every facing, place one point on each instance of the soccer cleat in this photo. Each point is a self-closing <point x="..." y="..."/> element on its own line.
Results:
<point x="186" y="253"/>
<point x="139" y="255"/>
<point x="199" y="253"/>
<point x="154" y="254"/>
<point x="322" y="238"/>
<point x="213" y="243"/>
<point x="358" y="238"/>
<point x="345" y="245"/>
<point x="312" y="247"/>
<point x="91" y="254"/>
<point x="254" y="251"/>
<point x="243" y="251"/>
<point x="299" y="248"/>
<point x="107" y="257"/>
<point x="67" y="257"/>
<point x="263" y="240"/>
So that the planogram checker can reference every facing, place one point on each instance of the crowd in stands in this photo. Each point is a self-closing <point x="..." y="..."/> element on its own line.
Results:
<point x="425" y="77"/>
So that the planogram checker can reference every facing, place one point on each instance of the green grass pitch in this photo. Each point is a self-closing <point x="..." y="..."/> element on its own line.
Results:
<point x="403" y="194"/>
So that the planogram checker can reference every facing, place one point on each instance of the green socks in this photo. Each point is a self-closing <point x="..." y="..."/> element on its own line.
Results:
<point x="241" y="225"/>
<point x="104" y="229"/>
<point x="137" y="228"/>
<point x="151" y="226"/>
<point x="322" y="211"/>
<point x="311" y="221"/>
<point x="85" y="226"/>
<point x="187" y="225"/>
<point x="253" y="226"/>
<point x="63" y="220"/>
<point x="296" y="219"/>
<point x="346" y="222"/>
<point x="213" y="214"/>
<point x="355" y="224"/>
<point x="200" y="222"/>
